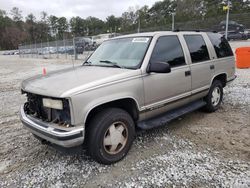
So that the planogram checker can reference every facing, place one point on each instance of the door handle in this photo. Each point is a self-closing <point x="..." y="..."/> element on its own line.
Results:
<point x="211" y="67"/>
<point x="187" y="73"/>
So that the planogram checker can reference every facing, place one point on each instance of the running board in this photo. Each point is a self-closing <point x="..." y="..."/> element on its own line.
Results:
<point x="171" y="115"/>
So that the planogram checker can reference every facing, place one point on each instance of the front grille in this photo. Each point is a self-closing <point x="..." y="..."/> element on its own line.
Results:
<point x="34" y="107"/>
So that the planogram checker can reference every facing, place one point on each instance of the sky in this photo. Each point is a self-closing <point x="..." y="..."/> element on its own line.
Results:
<point x="69" y="8"/>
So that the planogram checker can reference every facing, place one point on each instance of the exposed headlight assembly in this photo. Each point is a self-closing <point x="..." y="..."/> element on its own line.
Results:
<point x="52" y="103"/>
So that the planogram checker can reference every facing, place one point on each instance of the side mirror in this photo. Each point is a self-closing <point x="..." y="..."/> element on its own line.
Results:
<point x="159" y="67"/>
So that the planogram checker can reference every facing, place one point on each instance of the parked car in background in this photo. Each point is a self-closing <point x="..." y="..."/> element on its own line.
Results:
<point x="66" y="49"/>
<point x="11" y="52"/>
<point x="83" y="44"/>
<point x="247" y="33"/>
<point x="232" y="26"/>
<point x="235" y="35"/>
<point x="48" y="50"/>
<point x="16" y="52"/>
<point x="6" y="53"/>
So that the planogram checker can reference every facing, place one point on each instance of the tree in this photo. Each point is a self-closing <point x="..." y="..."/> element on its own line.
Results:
<point x="129" y="19"/>
<point x="143" y="15"/>
<point x="2" y="13"/>
<point x="62" y="26"/>
<point x="12" y="37"/>
<point x="190" y="14"/>
<point x="53" y="25"/>
<point x="31" y="26"/>
<point x="94" y="25"/>
<point x="44" y="16"/>
<point x="43" y="27"/>
<point x="5" y="22"/>
<point x="113" y="23"/>
<point x="16" y="14"/>
<point x="161" y="11"/>
<point x="78" y="26"/>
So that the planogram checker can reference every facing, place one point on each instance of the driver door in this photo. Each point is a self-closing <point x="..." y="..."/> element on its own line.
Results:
<point x="165" y="91"/>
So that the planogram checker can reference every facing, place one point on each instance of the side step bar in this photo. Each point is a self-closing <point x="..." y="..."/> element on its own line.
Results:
<point x="172" y="114"/>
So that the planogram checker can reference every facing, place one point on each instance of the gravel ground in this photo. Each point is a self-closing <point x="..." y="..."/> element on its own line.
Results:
<point x="197" y="150"/>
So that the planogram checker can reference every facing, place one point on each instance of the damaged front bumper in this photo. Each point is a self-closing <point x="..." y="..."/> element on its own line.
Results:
<point x="65" y="137"/>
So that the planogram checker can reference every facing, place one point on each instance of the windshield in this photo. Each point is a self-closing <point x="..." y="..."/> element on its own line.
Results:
<point x="123" y="52"/>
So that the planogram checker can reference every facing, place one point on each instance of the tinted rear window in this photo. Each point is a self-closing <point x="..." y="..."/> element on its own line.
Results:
<point x="221" y="46"/>
<point x="197" y="48"/>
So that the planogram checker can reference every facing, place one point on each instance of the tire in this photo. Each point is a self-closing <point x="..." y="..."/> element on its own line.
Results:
<point x="214" y="97"/>
<point x="110" y="136"/>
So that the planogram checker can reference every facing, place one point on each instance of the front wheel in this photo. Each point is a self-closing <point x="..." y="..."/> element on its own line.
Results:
<point x="111" y="133"/>
<point x="214" y="97"/>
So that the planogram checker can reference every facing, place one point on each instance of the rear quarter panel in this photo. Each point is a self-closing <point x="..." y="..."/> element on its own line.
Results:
<point x="225" y="65"/>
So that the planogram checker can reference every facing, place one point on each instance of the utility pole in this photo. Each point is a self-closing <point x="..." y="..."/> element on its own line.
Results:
<point x="75" y="51"/>
<point x="227" y="20"/>
<point x="173" y="15"/>
<point x="139" y="25"/>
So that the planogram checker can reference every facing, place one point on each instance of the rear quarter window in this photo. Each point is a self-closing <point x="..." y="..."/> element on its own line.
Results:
<point x="221" y="46"/>
<point x="197" y="48"/>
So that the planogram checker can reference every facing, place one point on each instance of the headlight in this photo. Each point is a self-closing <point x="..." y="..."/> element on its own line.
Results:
<point x="51" y="103"/>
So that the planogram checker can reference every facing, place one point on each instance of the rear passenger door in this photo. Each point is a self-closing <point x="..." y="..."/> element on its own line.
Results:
<point x="201" y="67"/>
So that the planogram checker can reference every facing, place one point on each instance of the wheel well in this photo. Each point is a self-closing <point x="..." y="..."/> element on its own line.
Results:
<point x="128" y="104"/>
<point x="222" y="78"/>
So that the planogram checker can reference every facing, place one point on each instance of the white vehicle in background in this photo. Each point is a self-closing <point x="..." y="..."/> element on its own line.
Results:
<point x="99" y="39"/>
<point x="49" y="50"/>
<point x="16" y="52"/>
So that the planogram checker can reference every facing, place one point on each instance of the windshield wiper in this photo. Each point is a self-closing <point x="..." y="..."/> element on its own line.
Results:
<point x="111" y="63"/>
<point x="87" y="63"/>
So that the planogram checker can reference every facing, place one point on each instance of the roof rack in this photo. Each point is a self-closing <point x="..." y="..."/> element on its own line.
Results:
<point x="195" y="30"/>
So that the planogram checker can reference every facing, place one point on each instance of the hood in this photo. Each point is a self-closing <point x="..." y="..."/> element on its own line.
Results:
<point x="67" y="82"/>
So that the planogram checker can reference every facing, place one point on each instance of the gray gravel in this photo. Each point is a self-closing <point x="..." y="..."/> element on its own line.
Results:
<point x="197" y="150"/>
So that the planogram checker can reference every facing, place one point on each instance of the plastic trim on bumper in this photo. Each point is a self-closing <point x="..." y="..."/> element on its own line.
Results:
<point x="71" y="138"/>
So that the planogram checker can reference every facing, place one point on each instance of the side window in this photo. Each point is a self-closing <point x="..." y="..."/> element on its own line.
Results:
<point x="197" y="48"/>
<point x="168" y="49"/>
<point x="221" y="46"/>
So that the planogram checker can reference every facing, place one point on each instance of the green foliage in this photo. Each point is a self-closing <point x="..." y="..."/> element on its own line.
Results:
<point x="113" y="23"/>
<point x="53" y="24"/>
<point x="62" y="27"/>
<point x="196" y="14"/>
<point x="78" y="26"/>
<point x="94" y="25"/>
<point x="16" y="14"/>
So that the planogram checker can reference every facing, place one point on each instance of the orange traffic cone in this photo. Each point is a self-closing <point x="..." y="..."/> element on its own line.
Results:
<point x="44" y="71"/>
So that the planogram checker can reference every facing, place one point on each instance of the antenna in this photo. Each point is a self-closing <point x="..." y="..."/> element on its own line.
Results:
<point x="74" y="50"/>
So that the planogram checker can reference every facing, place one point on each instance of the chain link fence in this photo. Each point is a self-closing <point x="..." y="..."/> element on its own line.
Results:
<point x="80" y="47"/>
<point x="74" y="48"/>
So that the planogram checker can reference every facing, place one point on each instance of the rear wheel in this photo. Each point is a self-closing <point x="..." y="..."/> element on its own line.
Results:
<point x="111" y="133"/>
<point x="214" y="97"/>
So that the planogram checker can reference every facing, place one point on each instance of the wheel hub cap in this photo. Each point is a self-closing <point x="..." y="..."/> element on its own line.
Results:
<point x="216" y="95"/>
<point x="115" y="138"/>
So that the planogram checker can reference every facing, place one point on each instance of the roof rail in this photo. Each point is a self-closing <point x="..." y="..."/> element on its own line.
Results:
<point x="195" y="30"/>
